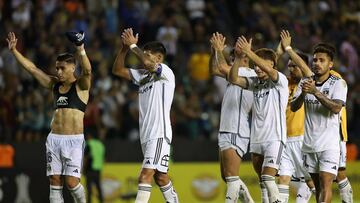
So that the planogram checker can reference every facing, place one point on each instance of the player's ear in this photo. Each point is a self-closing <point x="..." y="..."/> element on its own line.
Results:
<point x="159" y="57"/>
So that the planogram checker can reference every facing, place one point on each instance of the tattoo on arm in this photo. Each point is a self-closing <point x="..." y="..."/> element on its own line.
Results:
<point x="139" y="53"/>
<point x="333" y="105"/>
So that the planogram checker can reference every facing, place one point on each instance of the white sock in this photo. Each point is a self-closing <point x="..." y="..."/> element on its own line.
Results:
<point x="244" y="194"/>
<point x="303" y="193"/>
<point x="272" y="189"/>
<point x="56" y="194"/>
<point x="346" y="193"/>
<point x="232" y="191"/>
<point x="169" y="193"/>
<point x="78" y="194"/>
<point x="284" y="193"/>
<point x="143" y="193"/>
<point x="264" y="193"/>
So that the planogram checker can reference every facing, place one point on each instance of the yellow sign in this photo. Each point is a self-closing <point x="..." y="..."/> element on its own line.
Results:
<point x="195" y="183"/>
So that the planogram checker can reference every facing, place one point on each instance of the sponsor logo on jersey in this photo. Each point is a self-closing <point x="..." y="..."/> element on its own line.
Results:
<point x="261" y="95"/>
<point x="62" y="101"/>
<point x="143" y="90"/>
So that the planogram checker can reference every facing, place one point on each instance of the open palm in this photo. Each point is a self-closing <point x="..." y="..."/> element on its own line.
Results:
<point x="12" y="40"/>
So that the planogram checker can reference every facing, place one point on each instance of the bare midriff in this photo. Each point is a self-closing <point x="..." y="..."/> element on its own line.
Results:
<point x="67" y="121"/>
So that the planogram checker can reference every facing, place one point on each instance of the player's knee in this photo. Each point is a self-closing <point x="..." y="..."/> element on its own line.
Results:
<point x="145" y="176"/>
<point x="161" y="179"/>
<point x="55" y="180"/>
<point x="284" y="180"/>
<point x="341" y="175"/>
<point x="228" y="172"/>
<point x="71" y="182"/>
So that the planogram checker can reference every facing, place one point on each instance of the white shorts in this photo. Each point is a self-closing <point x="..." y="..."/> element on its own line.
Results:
<point x="156" y="154"/>
<point x="233" y="140"/>
<point x="342" y="162"/>
<point x="64" y="154"/>
<point x="291" y="163"/>
<point x="271" y="151"/>
<point x="326" y="161"/>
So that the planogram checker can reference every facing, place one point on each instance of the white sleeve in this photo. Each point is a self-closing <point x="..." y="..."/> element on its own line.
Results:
<point x="340" y="91"/>
<point x="135" y="75"/>
<point x="251" y="82"/>
<point x="282" y="81"/>
<point x="298" y="91"/>
<point x="166" y="73"/>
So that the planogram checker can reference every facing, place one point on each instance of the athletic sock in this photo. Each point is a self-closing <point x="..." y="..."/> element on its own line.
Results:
<point x="143" y="194"/>
<point x="56" y="194"/>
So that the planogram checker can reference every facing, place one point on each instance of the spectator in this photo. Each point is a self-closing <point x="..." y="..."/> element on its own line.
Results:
<point x="94" y="158"/>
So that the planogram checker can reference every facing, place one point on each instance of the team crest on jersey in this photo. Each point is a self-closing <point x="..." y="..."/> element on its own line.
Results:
<point x="326" y="91"/>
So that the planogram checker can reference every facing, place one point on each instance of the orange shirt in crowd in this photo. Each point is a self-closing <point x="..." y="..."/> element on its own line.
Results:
<point x="7" y="153"/>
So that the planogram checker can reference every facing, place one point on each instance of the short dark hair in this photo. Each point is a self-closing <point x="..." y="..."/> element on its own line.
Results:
<point x="66" y="57"/>
<point x="267" y="54"/>
<point x="304" y="57"/>
<point x="325" y="48"/>
<point x="155" y="47"/>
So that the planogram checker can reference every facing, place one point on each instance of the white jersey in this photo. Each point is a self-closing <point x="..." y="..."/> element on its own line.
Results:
<point x="236" y="107"/>
<point x="268" y="112"/>
<point x="156" y="92"/>
<point x="322" y="125"/>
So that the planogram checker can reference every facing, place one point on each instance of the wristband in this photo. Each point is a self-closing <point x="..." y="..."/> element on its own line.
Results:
<point x="132" y="46"/>
<point x="288" y="48"/>
<point x="82" y="52"/>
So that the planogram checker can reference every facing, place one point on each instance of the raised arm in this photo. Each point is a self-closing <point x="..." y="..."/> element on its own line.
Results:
<point x="130" y="40"/>
<point x="45" y="80"/>
<point x="297" y="103"/>
<point x="218" y="65"/>
<point x="119" y="68"/>
<point x="234" y="77"/>
<point x="84" y="81"/>
<point x="264" y="65"/>
<point x="286" y="44"/>
<point x="78" y="38"/>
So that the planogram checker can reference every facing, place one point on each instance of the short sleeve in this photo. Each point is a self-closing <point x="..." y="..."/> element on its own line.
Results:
<point x="298" y="91"/>
<point x="252" y="81"/>
<point x="166" y="73"/>
<point x="135" y="75"/>
<point x="282" y="81"/>
<point x="340" y="91"/>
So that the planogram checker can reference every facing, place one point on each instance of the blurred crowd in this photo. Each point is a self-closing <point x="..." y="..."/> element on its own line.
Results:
<point x="184" y="26"/>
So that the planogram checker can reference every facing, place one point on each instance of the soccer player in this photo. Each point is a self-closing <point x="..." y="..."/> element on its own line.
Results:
<point x="65" y="142"/>
<point x="291" y="161"/>
<point x="234" y="129"/>
<point x="268" y="128"/>
<point x="343" y="182"/>
<point x="156" y="83"/>
<point x="324" y="95"/>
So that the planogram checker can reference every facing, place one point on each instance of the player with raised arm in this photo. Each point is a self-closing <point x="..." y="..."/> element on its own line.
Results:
<point x="65" y="143"/>
<point x="156" y="83"/>
<point x="234" y="129"/>
<point x="343" y="182"/>
<point x="323" y="96"/>
<point x="291" y="161"/>
<point x="268" y="129"/>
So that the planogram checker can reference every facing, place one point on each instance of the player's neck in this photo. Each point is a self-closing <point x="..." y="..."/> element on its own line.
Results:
<point x="69" y="81"/>
<point x="322" y="78"/>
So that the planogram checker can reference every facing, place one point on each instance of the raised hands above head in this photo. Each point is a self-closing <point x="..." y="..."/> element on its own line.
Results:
<point x="11" y="40"/>
<point x="128" y="37"/>
<point x="218" y="41"/>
